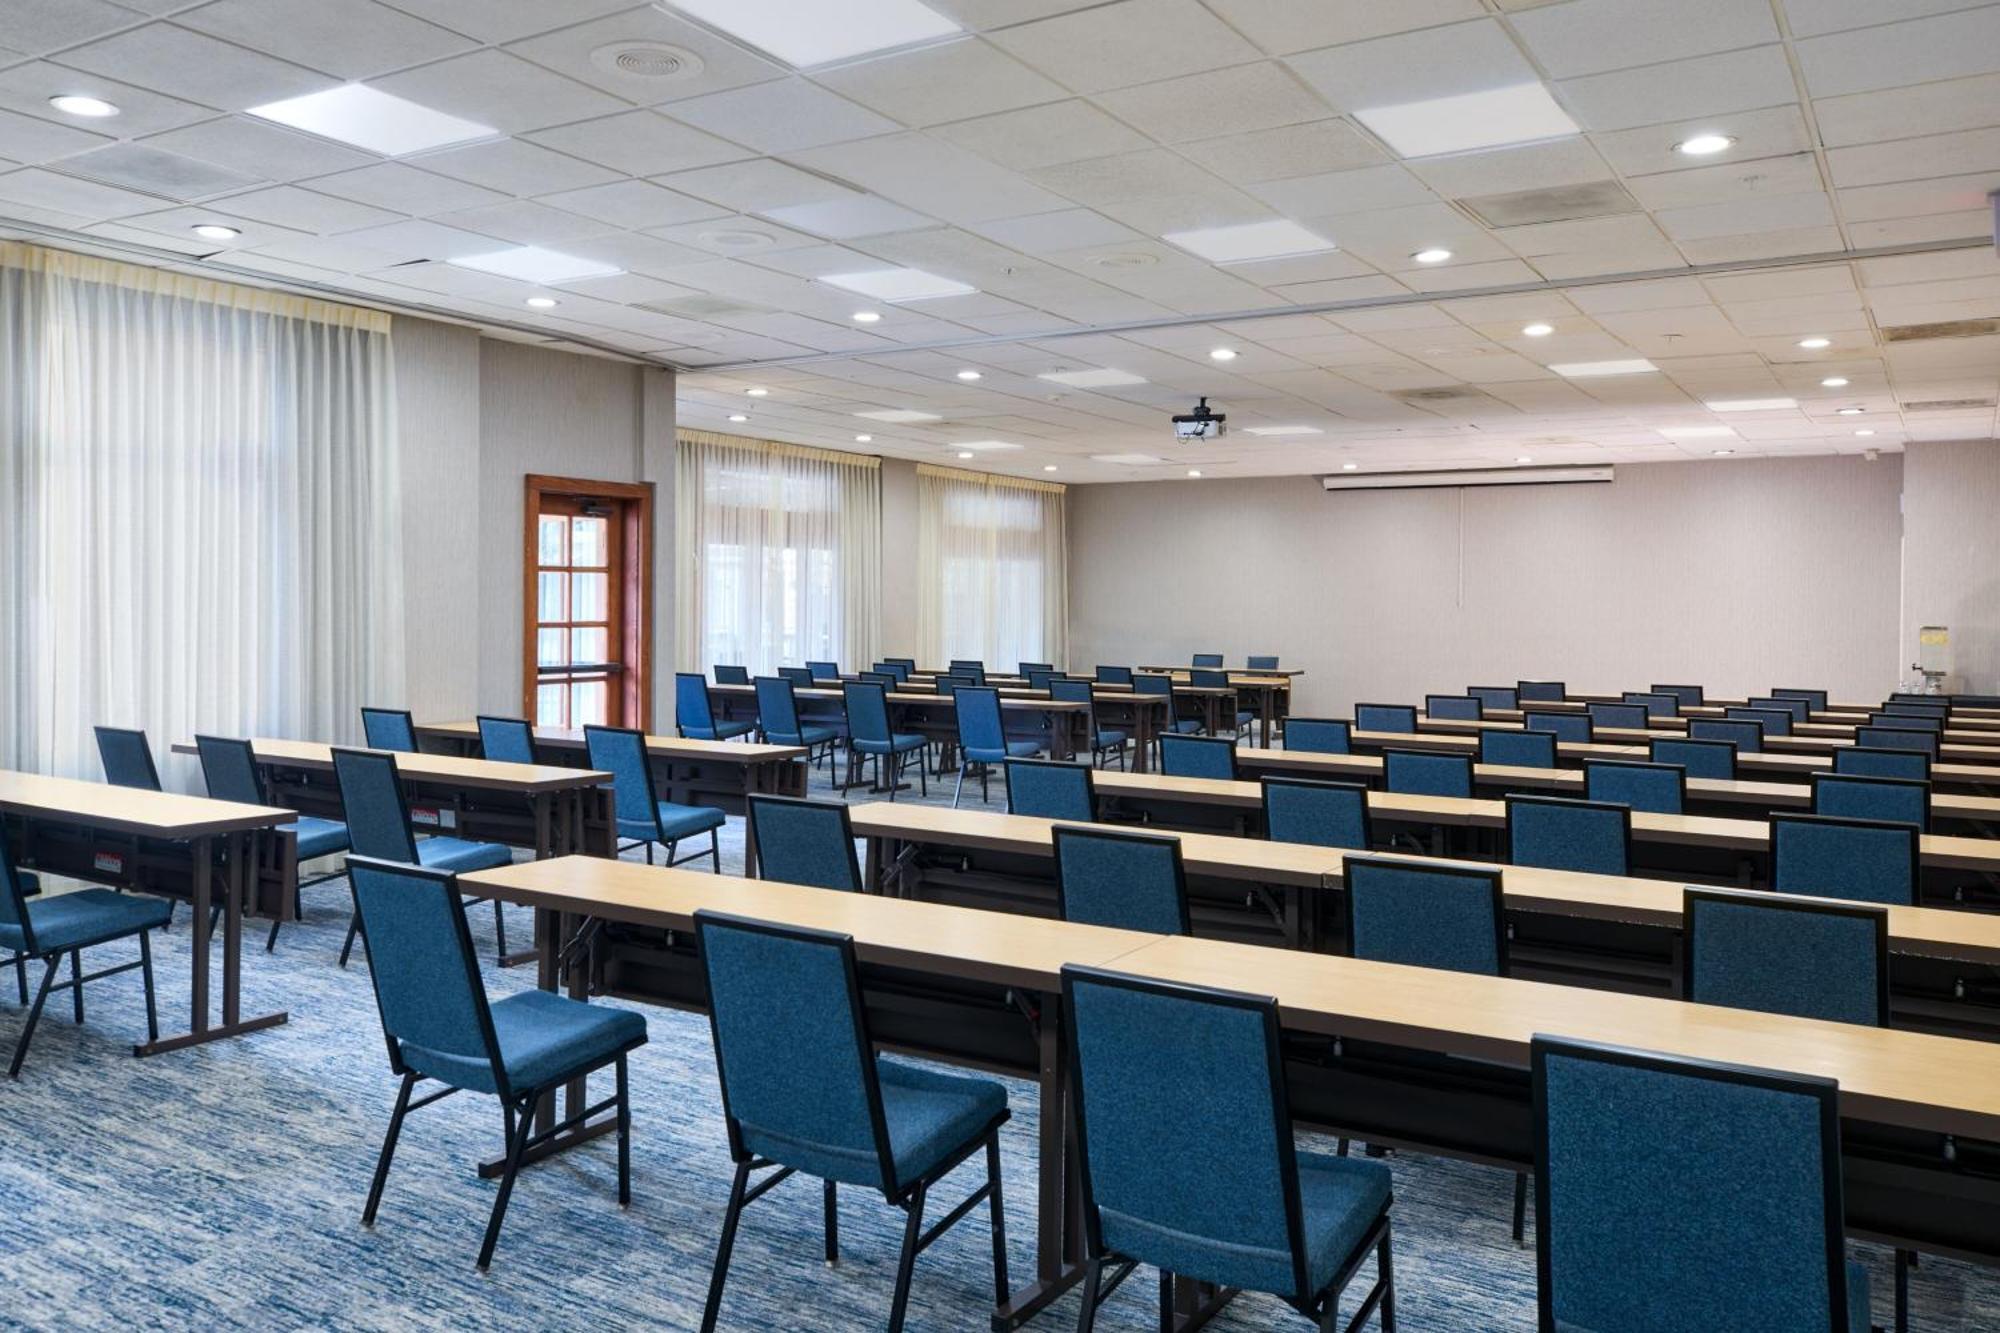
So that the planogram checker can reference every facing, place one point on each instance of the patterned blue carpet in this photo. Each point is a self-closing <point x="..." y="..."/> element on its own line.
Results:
<point x="222" y="1188"/>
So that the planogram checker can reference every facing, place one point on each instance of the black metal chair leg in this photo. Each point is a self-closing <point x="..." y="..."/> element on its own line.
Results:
<point x="1520" y="1206"/>
<point x="499" y="929"/>
<point x="1905" y="1260"/>
<point x="715" y="849"/>
<point x="998" y="1210"/>
<point x="522" y="1125"/>
<point x="913" y="1229"/>
<point x="34" y="1016"/>
<point x="347" y="945"/>
<point x="146" y="973"/>
<point x="723" y="1246"/>
<point x="271" y="940"/>
<point x="1086" y="1317"/>
<point x="388" y="1149"/>
<point x="624" y="1138"/>
<point x="830" y="1206"/>
<point x="955" y="791"/>
<point x="1166" y="1301"/>
<point x="76" y="982"/>
<point x="1385" y="1269"/>
<point x="21" y="975"/>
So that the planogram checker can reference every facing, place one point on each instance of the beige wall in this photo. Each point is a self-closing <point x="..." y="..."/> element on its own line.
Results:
<point x="1951" y="556"/>
<point x="1739" y="576"/>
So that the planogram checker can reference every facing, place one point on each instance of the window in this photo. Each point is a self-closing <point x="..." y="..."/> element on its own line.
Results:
<point x="993" y="565"/>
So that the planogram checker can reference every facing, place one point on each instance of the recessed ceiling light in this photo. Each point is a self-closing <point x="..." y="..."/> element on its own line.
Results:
<point x="1349" y="467"/>
<point x="1524" y="459"/>
<point x="1834" y="382"/>
<point x="756" y="393"/>
<point x="899" y="284"/>
<point x="1815" y="344"/>
<point x="1048" y="467"/>
<point x="1222" y="354"/>
<point x="1275" y="239"/>
<point x="1695" y="432"/>
<point x="738" y="416"/>
<point x="867" y="316"/>
<point x="812" y="32"/>
<point x="1435" y="254"/>
<point x="1092" y="379"/>
<point x="965" y="453"/>
<point x="1583" y="370"/>
<point x="1194" y="472"/>
<point x="1851" y="411"/>
<point x="1750" y="404"/>
<point x="367" y="118"/>
<point x="1520" y="113"/>
<point x="215" y="231"/>
<point x="1721" y="453"/>
<point x="78" y="105"/>
<point x="1281" y="430"/>
<point x="899" y="415"/>
<point x="864" y="439"/>
<point x="541" y="302"/>
<point x="1864" y="432"/>
<point x="1704" y="145"/>
<point x="968" y="375"/>
<point x="1538" y="330"/>
<point x="532" y="263"/>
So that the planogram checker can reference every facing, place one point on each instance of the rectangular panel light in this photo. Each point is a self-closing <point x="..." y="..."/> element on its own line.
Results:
<point x="899" y="415"/>
<point x="899" y="284"/>
<point x="1522" y="113"/>
<point x="984" y="446"/>
<point x="1129" y="460"/>
<point x="1750" y="404"/>
<point x="1092" y="379"/>
<point x="1507" y="476"/>
<point x="811" y="32"/>
<point x="532" y="263"/>
<point x="1583" y="370"/>
<point x="378" y="121"/>
<point x="1281" y="430"/>
<point x="1274" y="239"/>
<point x="1697" y="432"/>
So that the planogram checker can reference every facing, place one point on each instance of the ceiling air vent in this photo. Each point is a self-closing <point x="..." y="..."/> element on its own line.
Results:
<point x="1564" y="203"/>
<point x="647" y="60"/>
<point x="1948" y="405"/>
<point x="1950" y="328"/>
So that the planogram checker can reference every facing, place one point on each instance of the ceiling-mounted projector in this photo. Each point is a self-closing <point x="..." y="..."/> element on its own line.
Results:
<point x="1200" y="424"/>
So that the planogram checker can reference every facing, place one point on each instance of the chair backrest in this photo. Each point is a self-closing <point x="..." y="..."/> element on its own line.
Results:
<point x="1567" y="728"/>
<point x="1939" y="709"/>
<point x="692" y="707"/>
<point x="372" y="802"/>
<point x="1630" y="716"/>
<point x="1850" y="796"/>
<point x="1495" y="696"/>
<point x="510" y="740"/>
<point x="1317" y="735"/>
<point x="732" y="675"/>
<point x="1134" y="881"/>
<point x="1385" y="717"/>
<point x="13" y="894"/>
<point x="907" y="663"/>
<point x="778" y="708"/>
<point x="1206" y="660"/>
<point x="1862" y="860"/>
<point x="1522" y="749"/>
<point x="797" y="675"/>
<point x="1815" y="699"/>
<point x="804" y="842"/>
<point x="1659" y="789"/>
<point x="946" y="687"/>
<point x="1778" y="955"/>
<point x="1633" y="1236"/>
<point x="969" y="669"/>
<point x="1777" y="721"/>
<point x="792" y="1049"/>
<point x="1455" y="707"/>
<point x="621" y="752"/>
<point x="1557" y="833"/>
<point x="1864" y="761"/>
<point x="1688" y="696"/>
<point x="1208" y="678"/>
<point x="883" y="678"/>
<point x="1257" y="662"/>
<point x="1148" y="682"/>
<point x="389" y="729"/>
<point x="1657" y="703"/>
<point x="824" y="670"/>
<point x="1897" y="738"/>
<point x="1064" y="690"/>
<point x="1197" y="757"/>
<point x="1933" y="722"/>
<point x="1043" y="679"/>
<point x="1541" y="691"/>
<point x="1114" y="675"/>
<point x="1701" y="759"/>
<point x="229" y="769"/>
<point x="1746" y="736"/>
<point x="1425" y="915"/>
<point x="1423" y="773"/>
<point x="1800" y="709"/>
<point x="1030" y="668"/>
<point x="1181" y="1109"/>
<point x="127" y="758"/>
<point x="1318" y="814"/>
<point x="979" y="723"/>
<point x="1051" y="789"/>
<point x="896" y="669"/>
<point x="867" y="710"/>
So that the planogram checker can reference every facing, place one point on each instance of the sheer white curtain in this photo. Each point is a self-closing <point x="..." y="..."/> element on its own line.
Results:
<point x="781" y="554"/>
<point x="993" y="568"/>
<point x="198" y="511"/>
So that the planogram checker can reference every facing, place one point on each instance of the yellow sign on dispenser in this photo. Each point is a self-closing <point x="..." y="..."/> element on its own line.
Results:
<point x="1933" y="650"/>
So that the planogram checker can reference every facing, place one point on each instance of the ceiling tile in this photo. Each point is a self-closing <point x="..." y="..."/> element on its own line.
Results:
<point x="1648" y="149"/>
<point x="850" y="217"/>
<point x="1284" y="26"/>
<point x="507" y="20"/>
<point x="1903" y="113"/>
<point x="1920" y="50"/>
<point x="175" y="224"/>
<point x="1908" y="199"/>
<point x="1593" y="36"/>
<point x="35" y="27"/>
<point x="1153" y="191"/>
<point x="514" y="166"/>
<point x="404" y="189"/>
<point x="639" y="143"/>
<point x="1292" y="150"/>
<point x="28" y="88"/>
<point x="1045" y="136"/>
<point x="781" y="116"/>
<point x="39" y="188"/>
<point x="527" y="223"/>
<point x="1916" y="159"/>
<point x="950" y="81"/>
<point x="32" y="139"/>
<point x="1066" y="229"/>
<point x="408" y="240"/>
<point x="1727" y="182"/>
<point x="1415" y="66"/>
<point x="188" y="65"/>
<point x="349" y="38"/>
<point x="581" y="51"/>
<point x="1331" y="194"/>
<point x="303" y="210"/>
<point x="1214" y="103"/>
<point x="1680" y="89"/>
<point x="494" y="88"/>
<point x="169" y="175"/>
<point x="1128" y="42"/>
<point x="755" y="185"/>
<point x="1539" y="166"/>
<point x="634" y="204"/>
<point x="932" y="177"/>
<point x="262" y="149"/>
<point x="1812" y="18"/>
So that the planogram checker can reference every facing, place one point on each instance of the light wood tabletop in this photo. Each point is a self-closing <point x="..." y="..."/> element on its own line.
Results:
<point x="439" y="768"/>
<point x="571" y="738"/>
<point x="924" y="698"/>
<point x="150" y="814"/>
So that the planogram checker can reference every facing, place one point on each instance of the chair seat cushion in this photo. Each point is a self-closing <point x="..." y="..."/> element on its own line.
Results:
<point x="721" y="731"/>
<point x="1108" y="740"/>
<point x="86" y="917"/>
<point x="675" y="822"/>
<point x="459" y="855"/>
<point x="980" y="754"/>
<point x="544" y="1038"/>
<point x="1245" y="716"/>
<point x="932" y="1115"/>
<point x="318" y="837"/>
<point x="1186" y="724"/>
<point x="1340" y="1197"/>
<point x="898" y="743"/>
<point x="806" y="736"/>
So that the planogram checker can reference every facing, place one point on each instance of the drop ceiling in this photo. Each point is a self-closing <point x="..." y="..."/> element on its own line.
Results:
<point x="1040" y="156"/>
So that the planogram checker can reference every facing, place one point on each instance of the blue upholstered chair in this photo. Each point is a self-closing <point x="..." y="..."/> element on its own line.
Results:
<point x="1557" y="833"/>
<point x="1688" y="696"/>
<point x="823" y="670"/>
<point x="1025" y="669"/>
<point x="229" y="772"/>
<point x="778" y="719"/>
<point x="731" y="675"/>
<point x="1257" y="662"/>
<point x="1567" y="728"/>
<point x="389" y="729"/>
<point x="1133" y="881"/>
<point x="1423" y="773"/>
<point x="797" y="675"/>
<point x="1041" y="680"/>
<point x="1198" y="757"/>
<point x="803" y="1090"/>
<point x="1896" y="800"/>
<point x="1747" y="737"/>
<point x="1188" y="1162"/>
<point x="1931" y="722"/>
<point x="907" y="663"/>
<point x="982" y="737"/>
<point x="694" y="711"/>
<point x="1496" y="696"/>
<point x="1701" y="759"/>
<point x="1903" y="708"/>
<point x="1454" y="707"/>
<point x="869" y="736"/>
<point x="1863" y="762"/>
<point x="1540" y="691"/>
<point x="439" y="1025"/>
<point x="1317" y="735"/>
<point x="1631" y="717"/>
<point x="1206" y="660"/>
<point x="127" y="758"/>
<point x="45" y="928"/>
<point x="640" y="813"/>
<point x="1779" y="955"/>
<point x="506" y="740"/>
<point x="1153" y="683"/>
<point x="970" y="668"/>
<point x="1815" y="699"/>
<point x="1642" y="1240"/>
<point x="945" y="687"/>
<point x="1318" y="814"/>
<point x="1385" y="717"/>
<point x="1777" y="721"/>
<point x="1657" y="703"/>
<point x="1864" y="860"/>
<point x="1211" y="678"/>
<point x="896" y="669"/>
<point x="885" y="679"/>
<point x="1106" y="743"/>
<point x="1521" y="749"/>
<point x="1114" y="675"/>
<point x="378" y="826"/>
<point x="804" y="842"/>
<point x="1050" y="789"/>
<point x="1798" y="709"/>
<point x="1897" y="738"/>
<point x="1659" y="789"/>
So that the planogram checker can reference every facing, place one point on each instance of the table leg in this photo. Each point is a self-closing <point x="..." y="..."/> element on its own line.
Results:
<point x="237" y="858"/>
<point x="753" y="784"/>
<point x="238" y="848"/>
<point x="1058" y="1199"/>
<point x="544" y="825"/>
<point x="1142" y="737"/>
<point x="552" y="932"/>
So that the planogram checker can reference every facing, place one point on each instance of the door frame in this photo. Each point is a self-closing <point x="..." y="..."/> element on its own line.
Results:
<point x="636" y="589"/>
